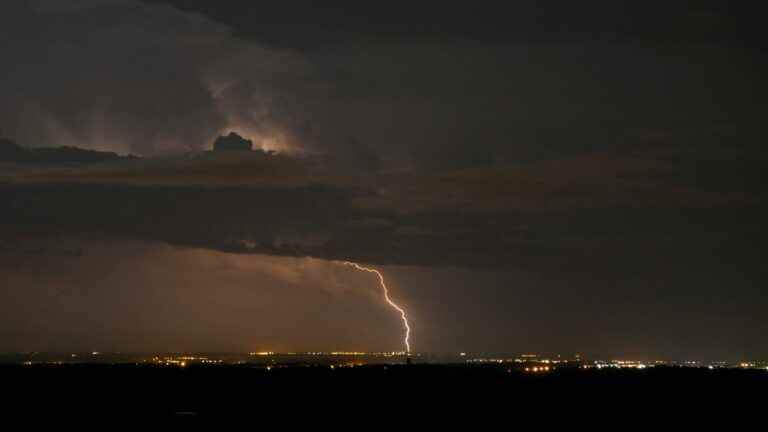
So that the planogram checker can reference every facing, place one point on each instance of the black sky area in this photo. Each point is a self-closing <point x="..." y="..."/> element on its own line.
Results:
<point x="552" y="176"/>
<point x="307" y="24"/>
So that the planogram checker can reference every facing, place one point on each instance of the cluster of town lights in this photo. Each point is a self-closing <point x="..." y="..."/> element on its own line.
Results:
<point x="538" y="369"/>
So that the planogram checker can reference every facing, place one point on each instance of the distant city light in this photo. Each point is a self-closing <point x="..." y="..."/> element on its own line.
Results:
<point x="531" y="363"/>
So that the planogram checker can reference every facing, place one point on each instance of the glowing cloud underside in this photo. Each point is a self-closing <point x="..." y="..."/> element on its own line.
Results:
<point x="389" y="300"/>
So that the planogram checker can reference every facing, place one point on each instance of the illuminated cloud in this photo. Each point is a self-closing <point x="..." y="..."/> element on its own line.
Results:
<point x="147" y="79"/>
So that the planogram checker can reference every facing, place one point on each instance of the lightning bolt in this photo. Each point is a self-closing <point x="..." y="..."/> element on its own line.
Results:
<point x="389" y="300"/>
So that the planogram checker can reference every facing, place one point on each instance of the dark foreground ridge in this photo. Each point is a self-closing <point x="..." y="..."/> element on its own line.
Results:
<point x="250" y="392"/>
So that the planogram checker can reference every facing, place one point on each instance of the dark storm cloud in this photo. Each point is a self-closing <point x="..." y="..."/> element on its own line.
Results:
<point x="479" y="87"/>
<point x="490" y="127"/>
<point x="307" y="23"/>
<point x="456" y="86"/>
<point x="105" y="75"/>
<point x="569" y="211"/>
<point x="128" y="77"/>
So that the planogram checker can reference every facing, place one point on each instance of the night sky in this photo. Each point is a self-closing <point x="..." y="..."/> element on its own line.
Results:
<point x="554" y="176"/>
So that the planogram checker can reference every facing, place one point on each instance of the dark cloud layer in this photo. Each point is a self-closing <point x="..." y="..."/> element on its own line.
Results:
<point x="147" y="79"/>
<point x="594" y="278"/>
<point x="307" y="23"/>
<point x="621" y="209"/>
<point x="151" y="79"/>
<point x="462" y="85"/>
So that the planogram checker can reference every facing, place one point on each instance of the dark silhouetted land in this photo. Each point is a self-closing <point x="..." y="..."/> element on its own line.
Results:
<point x="252" y="393"/>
